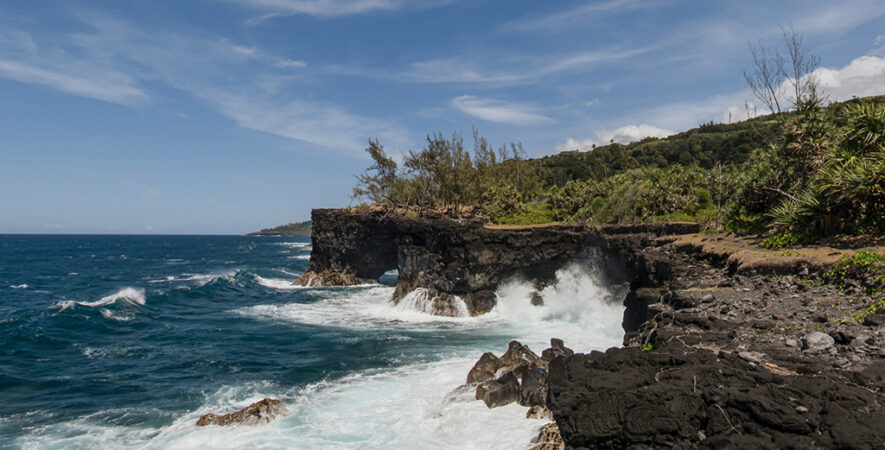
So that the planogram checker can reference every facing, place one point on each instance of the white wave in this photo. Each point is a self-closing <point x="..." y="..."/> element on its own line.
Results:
<point x="108" y="314"/>
<point x="278" y="283"/>
<point x="201" y="279"/>
<point x="578" y="308"/>
<point x="420" y="300"/>
<point x="294" y="244"/>
<point x="300" y="257"/>
<point x="18" y="286"/>
<point x="367" y="307"/>
<point x="130" y="295"/>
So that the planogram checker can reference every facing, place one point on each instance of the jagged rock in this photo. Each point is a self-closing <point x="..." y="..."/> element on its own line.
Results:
<point x="817" y="342"/>
<point x="557" y="348"/>
<point x="257" y="413"/>
<point x="533" y="390"/>
<point x="503" y="391"/>
<point x="536" y="299"/>
<point x="627" y="397"/>
<point x="539" y="412"/>
<point x="518" y="354"/>
<point x="327" y="278"/>
<point x="485" y="387"/>
<point x="548" y="438"/>
<point x="485" y="368"/>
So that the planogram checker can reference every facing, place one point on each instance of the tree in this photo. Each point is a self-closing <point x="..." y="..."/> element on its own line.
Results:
<point x="378" y="182"/>
<point x="782" y="78"/>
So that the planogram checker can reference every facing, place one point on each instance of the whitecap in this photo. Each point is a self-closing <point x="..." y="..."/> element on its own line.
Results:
<point x="129" y="295"/>
<point x="18" y="286"/>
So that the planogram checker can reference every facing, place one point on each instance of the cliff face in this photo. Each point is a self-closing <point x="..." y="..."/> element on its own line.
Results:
<point x="445" y="256"/>
<point x="716" y="355"/>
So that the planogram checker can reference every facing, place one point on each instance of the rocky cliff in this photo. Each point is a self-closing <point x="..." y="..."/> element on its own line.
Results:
<point x="463" y="257"/>
<point x="722" y="349"/>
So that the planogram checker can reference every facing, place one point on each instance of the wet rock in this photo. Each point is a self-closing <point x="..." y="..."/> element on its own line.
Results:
<point x="548" y="438"/>
<point x="539" y="412"/>
<point x="328" y="278"/>
<point x="503" y="391"/>
<point x="817" y="342"/>
<point x="533" y="391"/>
<point x="557" y="348"/>
<point x="518" y="354"/>
<point x="257" y="413"/>
<point x="537" y="300"/>
<point x="485" y="368"/>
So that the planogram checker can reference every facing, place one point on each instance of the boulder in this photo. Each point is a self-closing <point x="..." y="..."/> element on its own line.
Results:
<point x="518" y="354"/>
<point x="533" y="391"/>
<point x="484" y="387"/>
<point x="537" y="300"/>
<point x="327" y="278"/>
<point x="257" y="413"/>
<point x="557" y="348"/>
<point x="817" y="342"/>
<point x="485" y="368"/>
<point x="548" y="438"/>
<point x="539" y="412"/>
<point x="503" y="391"/>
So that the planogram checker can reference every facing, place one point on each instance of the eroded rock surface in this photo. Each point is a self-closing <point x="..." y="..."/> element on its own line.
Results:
<point x="257" y="413"/>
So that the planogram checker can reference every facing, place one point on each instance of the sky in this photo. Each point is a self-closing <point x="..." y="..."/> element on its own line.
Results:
<point x="228" y="116"/>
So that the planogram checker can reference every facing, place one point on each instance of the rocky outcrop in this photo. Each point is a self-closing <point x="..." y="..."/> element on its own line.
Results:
<point x="718" y="359"/>
<point x="257" y="413"/>
<point x="460" y="258"/>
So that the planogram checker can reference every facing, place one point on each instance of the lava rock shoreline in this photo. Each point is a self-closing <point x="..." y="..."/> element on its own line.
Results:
<point x="715" y="355"/>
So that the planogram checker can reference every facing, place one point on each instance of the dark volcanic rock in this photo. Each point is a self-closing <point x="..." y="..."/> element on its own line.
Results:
<point x="533" y="389"/>
<point x="503" y="391"/>
<point x="557" y="348"/>
<point x="677" y="395"/>
<point x="485" y="368"/>
<point x="520" y="355"/>
<point x="461" y="258"/>
<point x="257" y="413"/>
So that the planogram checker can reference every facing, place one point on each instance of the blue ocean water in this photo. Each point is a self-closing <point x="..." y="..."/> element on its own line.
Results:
<point x="124" y="341"/>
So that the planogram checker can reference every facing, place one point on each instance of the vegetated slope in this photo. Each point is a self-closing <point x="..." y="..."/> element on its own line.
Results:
<point x="703" y="146"/>
<point x="292" y="229"/>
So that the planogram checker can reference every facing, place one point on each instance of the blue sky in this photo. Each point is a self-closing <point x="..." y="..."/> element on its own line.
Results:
<point x="226" y="116"/>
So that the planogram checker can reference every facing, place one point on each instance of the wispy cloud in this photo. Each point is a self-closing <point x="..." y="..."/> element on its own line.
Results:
<point x="112" y="86"/>
<point x="516" y="70"/>
<point x="114" y="60"/>
<point x="332" y="8"/>
<point x="578" y="16"/>
<point x="499" y="111"/>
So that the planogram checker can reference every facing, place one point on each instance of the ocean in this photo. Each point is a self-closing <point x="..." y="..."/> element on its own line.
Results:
<point x="124" y="341"/>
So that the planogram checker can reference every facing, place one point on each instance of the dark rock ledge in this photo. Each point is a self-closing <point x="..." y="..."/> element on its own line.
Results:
<point x="713" y="356"/>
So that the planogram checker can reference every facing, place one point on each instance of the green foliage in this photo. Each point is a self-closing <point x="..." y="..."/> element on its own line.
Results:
<point x="292" y="229"/>
<point x="786" y="239"/>
<point x="862" y="266"/>
<point x="826" y="175"/>
<point x="539" y="214"/>
<point x="648" y="347"/>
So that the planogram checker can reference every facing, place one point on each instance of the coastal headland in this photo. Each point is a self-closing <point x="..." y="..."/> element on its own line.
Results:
<point x="726" y="343"/>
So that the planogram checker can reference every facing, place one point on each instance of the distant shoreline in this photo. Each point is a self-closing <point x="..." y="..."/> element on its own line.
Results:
<point x="291" y="229"/>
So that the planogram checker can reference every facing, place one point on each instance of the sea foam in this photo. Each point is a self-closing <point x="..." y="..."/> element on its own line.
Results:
<point x="130" y="295"/>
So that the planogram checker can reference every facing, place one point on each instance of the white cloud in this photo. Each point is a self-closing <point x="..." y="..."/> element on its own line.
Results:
<point x="498" y="111"/>
<point x="329" y="8"/>
<point x="290" y="63"/>
<point x="631" y="133"/>
<point x="593" y="102"/>
<point x="862" y="77"/>
<point x="574" y="144"/>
